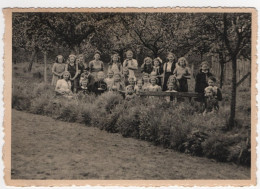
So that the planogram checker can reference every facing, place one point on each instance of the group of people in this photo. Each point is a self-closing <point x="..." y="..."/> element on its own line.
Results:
<point x="75" y="75"/>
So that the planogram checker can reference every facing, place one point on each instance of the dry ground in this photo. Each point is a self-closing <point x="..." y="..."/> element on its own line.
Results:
<point x="44" y="148"/>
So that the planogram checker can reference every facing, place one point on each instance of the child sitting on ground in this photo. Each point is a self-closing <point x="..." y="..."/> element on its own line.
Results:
<point x="100" y="85"/>
<point x="131" y="81"/>
<point x="84" y="86"/>
<point x="211" y="103"/>
<point x="117" y="83"/>
<point x="130" y="92"/>
<point x="147" y="65"/>
<point x="110" y="80"/>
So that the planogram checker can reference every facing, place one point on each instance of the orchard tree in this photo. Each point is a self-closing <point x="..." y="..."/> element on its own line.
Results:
<point x="234" y="29"/>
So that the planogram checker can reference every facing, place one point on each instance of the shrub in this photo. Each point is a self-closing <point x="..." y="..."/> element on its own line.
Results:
<point x="108" y="101"/>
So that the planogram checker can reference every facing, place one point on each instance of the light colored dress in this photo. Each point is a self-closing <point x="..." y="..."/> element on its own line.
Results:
<point x="131" y="63"/>
<point x="96" y="66"/>
<point x="109" y="82"/>
<point x="57" y="68"/>
<point x="115" y="67"/>
<point x="63" y="86"/>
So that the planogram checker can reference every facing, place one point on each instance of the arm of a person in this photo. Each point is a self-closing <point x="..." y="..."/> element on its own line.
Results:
<point x="102" y="66"/>
<point x="219" y="95"/>
<point x="142" y="67"/>
<point x="134" y="66"/>
<point x="53" y="70"/>
<point x="188" y="73"/>
<point x="90" y="66"/>
<point x="66" y="67"/>
<point x="57" y="88"/>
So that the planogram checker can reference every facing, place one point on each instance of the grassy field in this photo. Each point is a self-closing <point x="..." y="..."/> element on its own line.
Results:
<point x="44" y="148"/>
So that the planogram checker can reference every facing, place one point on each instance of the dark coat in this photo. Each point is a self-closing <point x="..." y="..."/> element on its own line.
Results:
<point x="201" y="81"/>
<point x="146" y="68"/>
<point x="99" y="87"/>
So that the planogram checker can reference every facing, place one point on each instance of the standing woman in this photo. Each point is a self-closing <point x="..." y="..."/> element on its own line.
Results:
<point x="72" y="68"/>
<point x="96" y="65"/>
<point x="57" y="69"/>
<point x="168" y="69"/>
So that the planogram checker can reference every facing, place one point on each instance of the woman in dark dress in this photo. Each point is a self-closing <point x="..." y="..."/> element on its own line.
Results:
<point x="168" y="69"/>
<point x="72" y="68"/>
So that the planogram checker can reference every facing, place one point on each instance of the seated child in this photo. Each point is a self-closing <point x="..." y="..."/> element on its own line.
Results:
<point x="170" y="89"/>
<point x="125" y="76"/>
<point x="147" y="65"/>
<point x="117" y="83"/>
<point x="86" y="75"/>
<point x="109" y="80"/>
<point x="172" y="79"/>
<point x="146" y="81"/>
<point x="139" y="87"/>
<point x="100" y="85"/>
<point x="130" y="92"/>
<point x="63" y="86"/>
<point x="131" y="81"/>
<point x="211" y="103"/>
<point x="217" y="92"/>
<point x="153" y="86"/>
<point x="84" y="86"/>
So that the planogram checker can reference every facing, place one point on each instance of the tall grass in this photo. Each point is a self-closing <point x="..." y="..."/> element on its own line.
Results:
<point x="176" y="126"/>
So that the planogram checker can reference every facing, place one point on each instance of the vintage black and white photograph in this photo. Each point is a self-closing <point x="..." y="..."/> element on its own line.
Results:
<point x="131" y="95"/>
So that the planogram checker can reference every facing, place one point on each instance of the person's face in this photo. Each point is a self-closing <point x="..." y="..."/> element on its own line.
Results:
<point x="130" y="90"/>
<point x="81" y="58"/>
<point x="85" y="83"/>
<point x="170" y="58"/>
<point x="66" y="76"/>
<point x="126" y="72"/>
<point x="97" y="56"/>
<point x="182" y="62"/>
<point x="77" y="60"/>
<point x="210" y="83"/>
<point x="129" y="55"/>
<point x="100" y="76"/>
<point x="204" y="68"/>
<point x="156" y="63"/>
<point x="110" y="74"/>
<point x="146" y="78"/>
<point x="209" y="93"/>
<point x="148" y="62"/>
<point x="72" y="59"/>
<point x="117" y="78"/>
<point x="115" y="59"/>
<point x="132" y="82"/>
<point x="153" y="81"/>
<point x="60" y="59"/>
<point x="139" y="84"/>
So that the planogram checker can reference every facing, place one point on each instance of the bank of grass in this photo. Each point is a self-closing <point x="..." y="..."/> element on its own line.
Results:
<point x="179" y="127"/>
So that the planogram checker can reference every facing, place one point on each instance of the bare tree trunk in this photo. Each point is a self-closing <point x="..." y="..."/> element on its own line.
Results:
<point x="29" y="66"/>
<point x="45" y="66"/>
<point x="233" y="93"/>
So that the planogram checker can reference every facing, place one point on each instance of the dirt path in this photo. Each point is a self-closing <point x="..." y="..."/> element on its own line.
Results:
<point x="43" y="148"/>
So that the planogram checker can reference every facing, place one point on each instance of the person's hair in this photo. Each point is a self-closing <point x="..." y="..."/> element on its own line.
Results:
<point x="101" y="72"/>
<point x="110" y="71"/>
<point x="147" y="58"/>
<point x="204" y="63"/>
<point x="65" y="73"/>
<point x="72" y="55"/>
<point x="157" y="59"/>
<point x="57" y="57"/>
<point x="212" y="78"/>
<point x="97" y="52"/>
<point x="185" y="61"/>
<point x="117" y="74"/>
<point x="112" y="56"/>
<point x="131" y="78"/>
<point x="129" y="51"/>
<point x="207" y="89"/>
<point x="174" y="56"/>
